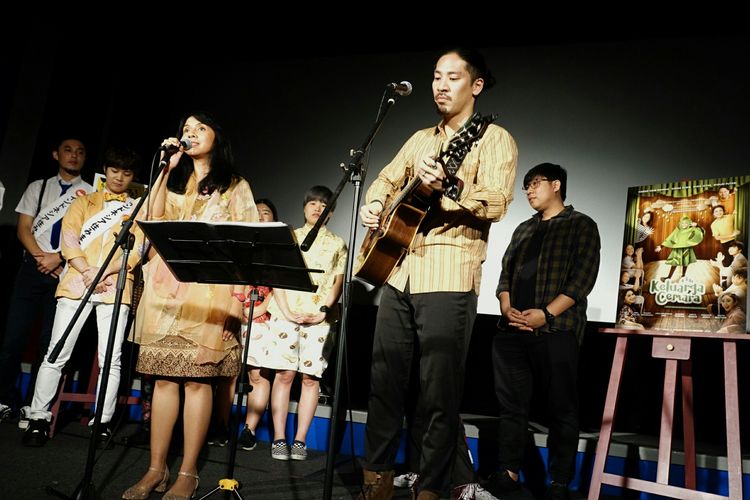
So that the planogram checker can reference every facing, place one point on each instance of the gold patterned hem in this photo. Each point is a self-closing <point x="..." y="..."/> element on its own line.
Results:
<point x="174" y="356"/>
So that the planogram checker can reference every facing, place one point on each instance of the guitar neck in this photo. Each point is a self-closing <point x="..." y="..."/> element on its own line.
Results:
<point x="416" y="182"/>
<point x="408" y="189"/>
<point x="448" y="165"/>
<point x="449" y="159"/>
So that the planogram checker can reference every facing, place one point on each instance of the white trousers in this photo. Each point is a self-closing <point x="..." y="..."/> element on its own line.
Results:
<point x="48" y="378"/>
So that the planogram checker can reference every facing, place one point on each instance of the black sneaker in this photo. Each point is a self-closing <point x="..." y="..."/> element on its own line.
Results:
<point x="219" y="436"/>
<point x="104" y="440"/>
<point x="500" y="483"/>
<point x="247" y="439"/>
<point x="557" y="491"/>
<point x="37" y="434"/>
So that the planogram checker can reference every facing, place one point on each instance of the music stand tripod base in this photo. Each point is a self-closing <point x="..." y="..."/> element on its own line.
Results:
<point x="225" y="485"/>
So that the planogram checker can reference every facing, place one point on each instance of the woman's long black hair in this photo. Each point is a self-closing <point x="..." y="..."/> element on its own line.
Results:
<point x="222" y="172"/>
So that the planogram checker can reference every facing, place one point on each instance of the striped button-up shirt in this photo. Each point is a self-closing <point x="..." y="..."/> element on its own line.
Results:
<point x="447" y="252"/>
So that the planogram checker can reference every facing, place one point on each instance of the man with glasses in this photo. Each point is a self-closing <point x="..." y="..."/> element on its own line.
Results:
<point x="549" y="269"/>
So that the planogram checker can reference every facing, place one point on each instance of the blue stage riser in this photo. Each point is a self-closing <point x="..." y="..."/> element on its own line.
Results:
<point x="708" y="480"/>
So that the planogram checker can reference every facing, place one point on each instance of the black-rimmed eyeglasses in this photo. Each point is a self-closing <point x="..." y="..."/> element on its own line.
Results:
<point x="534" y="183"/>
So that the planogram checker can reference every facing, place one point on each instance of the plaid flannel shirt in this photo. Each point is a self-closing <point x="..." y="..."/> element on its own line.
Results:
<point x="568" y="264"/>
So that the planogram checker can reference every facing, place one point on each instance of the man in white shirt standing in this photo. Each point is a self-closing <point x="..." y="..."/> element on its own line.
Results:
<point x="40" y="214"/>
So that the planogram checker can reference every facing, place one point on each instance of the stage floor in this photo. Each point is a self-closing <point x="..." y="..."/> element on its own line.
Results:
<point x="27" y="472"/>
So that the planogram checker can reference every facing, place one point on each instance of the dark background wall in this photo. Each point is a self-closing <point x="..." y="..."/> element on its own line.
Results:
<point x="616" y="111"/>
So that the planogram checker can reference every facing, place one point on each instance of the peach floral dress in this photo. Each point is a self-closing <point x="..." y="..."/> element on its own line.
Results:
<point x="179" y="325"/>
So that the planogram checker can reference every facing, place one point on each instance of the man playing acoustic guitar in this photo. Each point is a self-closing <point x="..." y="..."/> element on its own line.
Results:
<point x="429" y="301"/>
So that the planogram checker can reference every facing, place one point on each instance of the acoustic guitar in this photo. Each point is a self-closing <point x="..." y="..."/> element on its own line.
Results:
<point x="384" y="247"/>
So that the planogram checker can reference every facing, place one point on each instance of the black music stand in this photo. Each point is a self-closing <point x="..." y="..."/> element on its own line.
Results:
<point x="231" y="253"/>
<point x="237" y="253"/>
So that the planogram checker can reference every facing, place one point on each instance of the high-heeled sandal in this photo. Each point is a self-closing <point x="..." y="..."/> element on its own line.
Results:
<point x="136" y="492"/>
<point x="170" y="496"/>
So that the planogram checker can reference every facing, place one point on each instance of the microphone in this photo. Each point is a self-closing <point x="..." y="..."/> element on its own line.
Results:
<point x="403" y="89"/>
<point x="172" y="149"/>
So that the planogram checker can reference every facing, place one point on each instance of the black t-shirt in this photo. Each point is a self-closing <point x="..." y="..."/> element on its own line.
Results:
<point x="526" y="285"/>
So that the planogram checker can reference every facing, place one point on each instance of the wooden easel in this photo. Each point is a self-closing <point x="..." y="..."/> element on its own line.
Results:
<point x="674" y="347"/>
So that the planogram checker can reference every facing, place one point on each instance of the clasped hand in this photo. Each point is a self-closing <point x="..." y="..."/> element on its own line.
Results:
<point x="48" y="263"/>
<point x="528" y="320"/>
<point x="308" y="318"/>
<point x="88" y="277"/>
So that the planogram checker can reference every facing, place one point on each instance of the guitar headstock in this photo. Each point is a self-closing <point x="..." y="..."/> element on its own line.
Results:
<point x="459" y="146"/>
<point x="462" y="142"/>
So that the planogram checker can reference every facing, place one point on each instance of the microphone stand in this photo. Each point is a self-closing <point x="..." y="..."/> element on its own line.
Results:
<point x="125" y="239"/>
<point x="229" y="485"/>
<point x="353" y="173"/>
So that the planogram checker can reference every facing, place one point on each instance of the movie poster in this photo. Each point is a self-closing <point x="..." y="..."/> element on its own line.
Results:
<point x="684" y="257"/>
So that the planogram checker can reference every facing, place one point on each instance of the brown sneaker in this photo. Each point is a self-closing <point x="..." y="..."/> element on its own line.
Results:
<point x="377" y="485"/>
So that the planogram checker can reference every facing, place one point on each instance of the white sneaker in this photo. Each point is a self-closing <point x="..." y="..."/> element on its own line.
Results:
<point x="5" y="412"/>
<point x="24" y="417"/>
<point x="472" y="491"/>
<point x="405" y="480"/>
<point x="482" y="494"/>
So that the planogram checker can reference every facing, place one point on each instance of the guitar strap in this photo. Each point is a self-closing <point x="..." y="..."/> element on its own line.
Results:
<point x="455" y="161"/>
<point x="454" y="185"/>
<point x="454" y="164"/>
